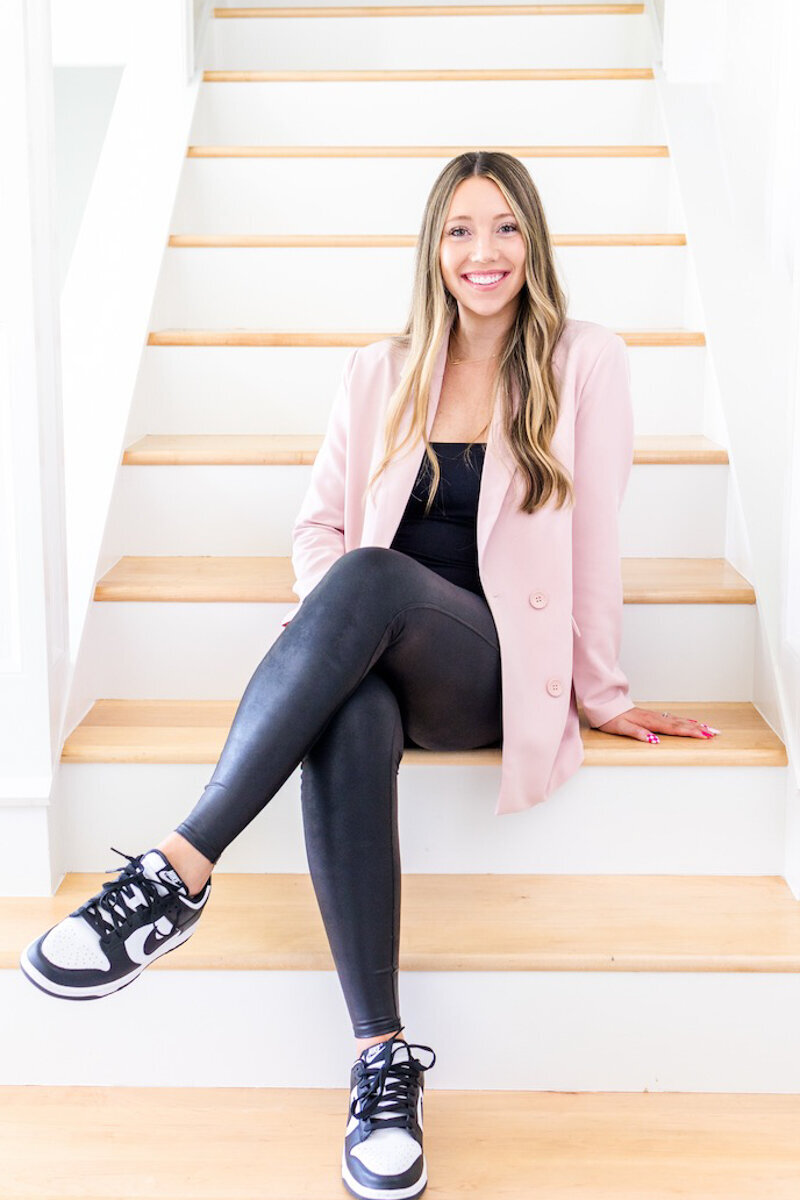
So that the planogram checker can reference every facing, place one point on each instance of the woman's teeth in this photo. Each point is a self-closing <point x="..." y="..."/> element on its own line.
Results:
<point x="486" y="280"/>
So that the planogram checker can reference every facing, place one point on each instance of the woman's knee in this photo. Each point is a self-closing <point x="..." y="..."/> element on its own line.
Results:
<point x="371" y="569"/>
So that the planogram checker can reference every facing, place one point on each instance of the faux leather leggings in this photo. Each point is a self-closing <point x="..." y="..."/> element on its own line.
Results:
<point x="383" y="653"/>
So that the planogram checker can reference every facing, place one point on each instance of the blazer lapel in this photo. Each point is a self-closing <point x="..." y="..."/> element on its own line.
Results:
<point x="498" y="469"/>
<point x="383" y="512"/>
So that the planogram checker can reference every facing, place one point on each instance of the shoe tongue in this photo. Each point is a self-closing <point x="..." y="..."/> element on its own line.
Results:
<point x="156" y="867"/>
<point x="381" y="1052"/>
<point x="376" y="1057"/>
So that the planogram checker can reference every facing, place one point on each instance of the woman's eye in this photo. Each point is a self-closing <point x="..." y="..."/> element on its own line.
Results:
<point x="459" y="229"/>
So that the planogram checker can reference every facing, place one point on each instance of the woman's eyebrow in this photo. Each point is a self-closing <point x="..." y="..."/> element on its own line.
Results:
<point x="466" y="218"/>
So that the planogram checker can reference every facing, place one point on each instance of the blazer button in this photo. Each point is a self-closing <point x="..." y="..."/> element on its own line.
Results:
<point x="538" y="599"/>
<point x="554" y="687"/>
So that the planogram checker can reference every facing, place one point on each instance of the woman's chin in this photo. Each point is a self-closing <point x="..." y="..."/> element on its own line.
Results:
<point x="489" y="305"/>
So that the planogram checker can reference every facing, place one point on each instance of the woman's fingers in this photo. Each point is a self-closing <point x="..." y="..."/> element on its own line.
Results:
<point x="681" y="726"/>
<point x="645" y="724"/>
<point x="632" y="729"/>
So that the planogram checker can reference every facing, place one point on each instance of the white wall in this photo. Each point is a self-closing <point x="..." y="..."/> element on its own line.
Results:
<point x="113" y="268"/>
<point x="34" y="659"/>
<point x="731" y="99"/>
<point x="76" y="288"/>
<point x="84" y="98"/>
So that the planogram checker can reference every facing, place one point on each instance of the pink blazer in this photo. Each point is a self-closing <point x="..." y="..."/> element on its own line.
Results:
<point x="552" y="578"/>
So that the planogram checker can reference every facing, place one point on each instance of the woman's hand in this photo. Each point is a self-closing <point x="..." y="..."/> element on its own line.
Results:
<point x="644" y="724"/>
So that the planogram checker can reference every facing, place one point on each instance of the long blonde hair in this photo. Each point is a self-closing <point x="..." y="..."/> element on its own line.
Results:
<point x="525" y="360"/>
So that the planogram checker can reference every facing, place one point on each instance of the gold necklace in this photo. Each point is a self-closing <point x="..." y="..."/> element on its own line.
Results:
<point x="457" y="362"/>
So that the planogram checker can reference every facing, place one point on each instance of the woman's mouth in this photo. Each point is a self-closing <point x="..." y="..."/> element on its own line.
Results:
<point x="485" y="281"/>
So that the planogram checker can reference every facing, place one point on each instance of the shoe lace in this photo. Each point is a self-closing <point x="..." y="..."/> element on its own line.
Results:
<point x="110" y="909"/>
<point x="389" y="1088"/>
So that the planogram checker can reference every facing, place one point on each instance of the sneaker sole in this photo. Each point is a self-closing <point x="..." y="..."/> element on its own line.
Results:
<point x="64" y="992"/>
<point x="388" y="1193"/>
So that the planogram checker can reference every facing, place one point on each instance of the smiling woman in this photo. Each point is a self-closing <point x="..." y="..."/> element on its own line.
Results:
<point x="485" y="276"/>
<point x="480" y="626"/>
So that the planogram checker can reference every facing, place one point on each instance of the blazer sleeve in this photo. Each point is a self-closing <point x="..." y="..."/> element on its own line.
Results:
<point x="603" y="461"/>
<point x="318" y="530"/>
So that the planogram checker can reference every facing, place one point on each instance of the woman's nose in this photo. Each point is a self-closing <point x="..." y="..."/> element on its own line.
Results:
<point x="484" y="250"/>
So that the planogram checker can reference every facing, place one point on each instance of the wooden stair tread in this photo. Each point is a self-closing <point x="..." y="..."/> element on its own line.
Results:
<point x="194" y="731"/>
<point x="286" y="1143"/>
<point x="217" y="449"/>
<point x="271" y="337"/>
<point x="345" y="240"/>
<point x="300" y="449"/>
<point x="495" y="922"/>
<point x="390" y="151"/>
<point x="394" y="75"/>
<point x="438" y="10"/>
<point x="256" y="579"/>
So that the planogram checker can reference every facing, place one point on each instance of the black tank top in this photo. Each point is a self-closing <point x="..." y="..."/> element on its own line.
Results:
<point x="445" y="540"/>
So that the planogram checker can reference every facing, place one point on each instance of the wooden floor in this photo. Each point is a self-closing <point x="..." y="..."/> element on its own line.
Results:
<point x="249" y="1143"/>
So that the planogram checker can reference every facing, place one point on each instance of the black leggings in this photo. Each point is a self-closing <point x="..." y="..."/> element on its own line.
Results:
<point x="383" y="653"/>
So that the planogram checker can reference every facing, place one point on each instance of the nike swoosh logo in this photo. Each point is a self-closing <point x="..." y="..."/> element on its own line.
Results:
<point x="142" y="944"/>
<point x="155" y="939"/>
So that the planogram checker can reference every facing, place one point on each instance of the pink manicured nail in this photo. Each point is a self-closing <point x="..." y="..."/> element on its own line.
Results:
<point x="706" y="733"/>
<point x="651" y="737"/>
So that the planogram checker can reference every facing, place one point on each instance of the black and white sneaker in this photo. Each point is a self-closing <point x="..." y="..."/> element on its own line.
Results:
<point x="107" y="942"/>
<point x="382" y="1154"/>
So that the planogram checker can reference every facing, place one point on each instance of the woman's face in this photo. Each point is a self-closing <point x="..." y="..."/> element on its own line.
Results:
<point x="482" y="252"/>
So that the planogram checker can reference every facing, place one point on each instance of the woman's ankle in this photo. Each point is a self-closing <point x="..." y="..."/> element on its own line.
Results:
<point x="192" y="866"/>
<point x="363" y="1043"/>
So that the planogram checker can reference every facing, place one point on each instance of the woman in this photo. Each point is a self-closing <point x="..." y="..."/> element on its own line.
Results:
<point x="394" y="624"/>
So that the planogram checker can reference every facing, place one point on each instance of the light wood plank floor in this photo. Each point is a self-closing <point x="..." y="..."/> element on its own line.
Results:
<point x="482" y="923"/>
<point x="276" y="1144"/>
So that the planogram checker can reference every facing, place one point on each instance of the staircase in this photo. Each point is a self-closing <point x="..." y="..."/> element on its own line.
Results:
<point x="611" y="980"/>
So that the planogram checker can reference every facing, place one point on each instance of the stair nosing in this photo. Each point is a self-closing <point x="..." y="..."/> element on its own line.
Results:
<point x="430" y="10"/>
<point x="266" y="579"/>
<point x="624" y="150"/>
<point x="193" y="731"/>
<point x="254" y="449"/>
<point x="436" y="75"/>
<point x="296" y="241"/>
<point x="499" y="922"/>
<point x="334" y="338"/>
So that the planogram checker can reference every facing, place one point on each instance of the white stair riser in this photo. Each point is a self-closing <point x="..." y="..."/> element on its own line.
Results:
<point x="373" y="43"/>
<point x="30" y="837"/>
<point x="604" y="820"/>
<point x="170" y="650"/>
<point x="369" y="288"/>
<point x="315" y="195"/>
<point x="290" y="389"/>
<point x="551" y="1031"/>
<point x="251" y="510"/>
<point x="404" y="112"/>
